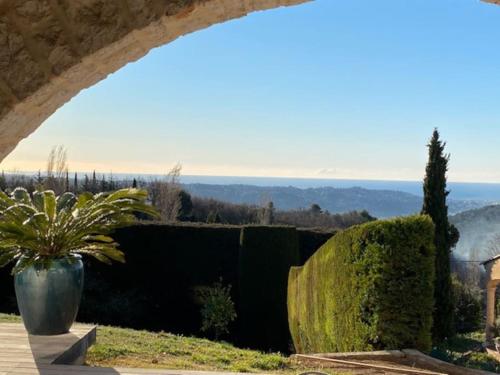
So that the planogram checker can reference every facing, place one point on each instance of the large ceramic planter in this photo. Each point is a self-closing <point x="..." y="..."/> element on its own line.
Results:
<point x="48" y="299"/>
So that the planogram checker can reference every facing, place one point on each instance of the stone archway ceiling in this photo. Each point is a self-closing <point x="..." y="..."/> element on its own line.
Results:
<point x="52" y="49"/>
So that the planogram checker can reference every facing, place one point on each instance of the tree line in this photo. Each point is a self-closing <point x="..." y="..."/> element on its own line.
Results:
<point x="173" y="202"/>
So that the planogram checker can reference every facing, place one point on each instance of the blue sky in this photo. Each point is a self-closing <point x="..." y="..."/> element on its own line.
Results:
<point x="328" y="89"/>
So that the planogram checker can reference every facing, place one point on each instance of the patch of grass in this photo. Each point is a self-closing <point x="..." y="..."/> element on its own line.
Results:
<point x="9" y="318"/>
<point x="466" y="350"/>
<point x="120" y="347"/>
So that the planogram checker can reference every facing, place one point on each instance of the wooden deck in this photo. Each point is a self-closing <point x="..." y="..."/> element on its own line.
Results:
<point x="23" y="354"/>
<point x="20" y="350"/>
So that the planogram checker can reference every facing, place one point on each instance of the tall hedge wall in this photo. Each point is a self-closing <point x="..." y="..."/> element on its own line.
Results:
<point x="155" y="288"/>
<point x="266" y="255"/>
<point x="7" y="296"/>
<point x="165" y="264"/>
<point x="310" y="240"/>
<point x="369" y="287"/>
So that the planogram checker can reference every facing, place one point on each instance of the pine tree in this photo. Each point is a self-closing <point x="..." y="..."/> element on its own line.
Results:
<point x="134" y="184"/>
<point x="446" y="236"/>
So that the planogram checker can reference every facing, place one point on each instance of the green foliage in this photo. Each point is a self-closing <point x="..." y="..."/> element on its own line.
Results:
<point x="468" y="303"/>
<point x="446" y="236"/>
<point x="213" y="218"/>
<point x="218" y="310"/>
<point x="311" y="240"/>
<point x="168" y="262"/>
<point x="266" y="255"/>
<point x="36" y="229"/>
<point x="466" y="350"/>
<point x="369" y="287"/>
<point x="185" y="206"/>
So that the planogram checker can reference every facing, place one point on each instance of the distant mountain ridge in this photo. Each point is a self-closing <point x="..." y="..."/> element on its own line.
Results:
<point x="380" y="203"/>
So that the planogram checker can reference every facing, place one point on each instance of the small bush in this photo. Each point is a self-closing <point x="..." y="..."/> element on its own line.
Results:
<point x="369" y="287"/>
<point x="468" y="306"/>
<point x="218" y="310"/>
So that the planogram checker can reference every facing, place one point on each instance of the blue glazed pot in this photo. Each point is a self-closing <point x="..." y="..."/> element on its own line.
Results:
<point x="48" y="299"/>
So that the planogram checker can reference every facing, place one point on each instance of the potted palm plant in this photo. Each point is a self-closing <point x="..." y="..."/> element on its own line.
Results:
<point x="45" y="235"/>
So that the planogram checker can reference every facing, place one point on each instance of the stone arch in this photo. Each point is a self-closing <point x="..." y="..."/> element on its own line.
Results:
<point x="52" y="49"/>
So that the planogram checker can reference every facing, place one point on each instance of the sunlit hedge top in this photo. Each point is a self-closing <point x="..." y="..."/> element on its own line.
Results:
<point x="34" y="229"/>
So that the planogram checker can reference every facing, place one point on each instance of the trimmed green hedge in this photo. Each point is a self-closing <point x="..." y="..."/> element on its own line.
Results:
<point x="166" y="263"/>
<point x="155" y="288"/>
<point x="311" y="239"/>
<point x="266" y="255"/>
<point x="369" y="287"/>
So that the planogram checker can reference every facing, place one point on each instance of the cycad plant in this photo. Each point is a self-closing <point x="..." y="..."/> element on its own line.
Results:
<point x="36" y="229"/>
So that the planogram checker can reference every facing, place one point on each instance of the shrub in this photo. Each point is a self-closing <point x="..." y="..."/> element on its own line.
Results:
<point x="468" y="306"/>
<point x="266" y="255"/>
<point x="369" y="287"/>
<point x="466" y="350"/>
<point x="218" y="310"/>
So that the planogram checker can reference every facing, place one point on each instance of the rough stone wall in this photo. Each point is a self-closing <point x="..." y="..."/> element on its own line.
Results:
<point x="52" y="49"/>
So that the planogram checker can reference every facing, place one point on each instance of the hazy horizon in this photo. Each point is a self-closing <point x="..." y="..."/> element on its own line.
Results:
<point x="318" y="178"/>
<point x="465" y="191"/>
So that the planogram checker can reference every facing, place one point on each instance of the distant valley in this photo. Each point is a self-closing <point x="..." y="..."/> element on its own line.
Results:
<point x="477" y="220"/>
<point x="379" y="203"/>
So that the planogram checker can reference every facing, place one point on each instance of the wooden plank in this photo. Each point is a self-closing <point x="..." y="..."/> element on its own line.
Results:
<point x="403" y="370"/>
<point x="85" y="370"/>
<point x="20" y="352"/>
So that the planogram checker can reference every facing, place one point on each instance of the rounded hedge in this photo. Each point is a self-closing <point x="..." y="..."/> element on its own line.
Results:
<point x="369" y="287"/>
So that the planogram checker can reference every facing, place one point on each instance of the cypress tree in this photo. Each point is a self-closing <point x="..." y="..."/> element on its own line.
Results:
<point x="86" y="184"/>
<point x="3" y="181"/>
<point x="134" y="184"/>
<point x="446" y="236"/>
<point x="111" y="183"/>
<point x="75" y="184"/>
<point x="103" y="184"/>
<point x="93" y="188"/>
<point x="66" y="184"/>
